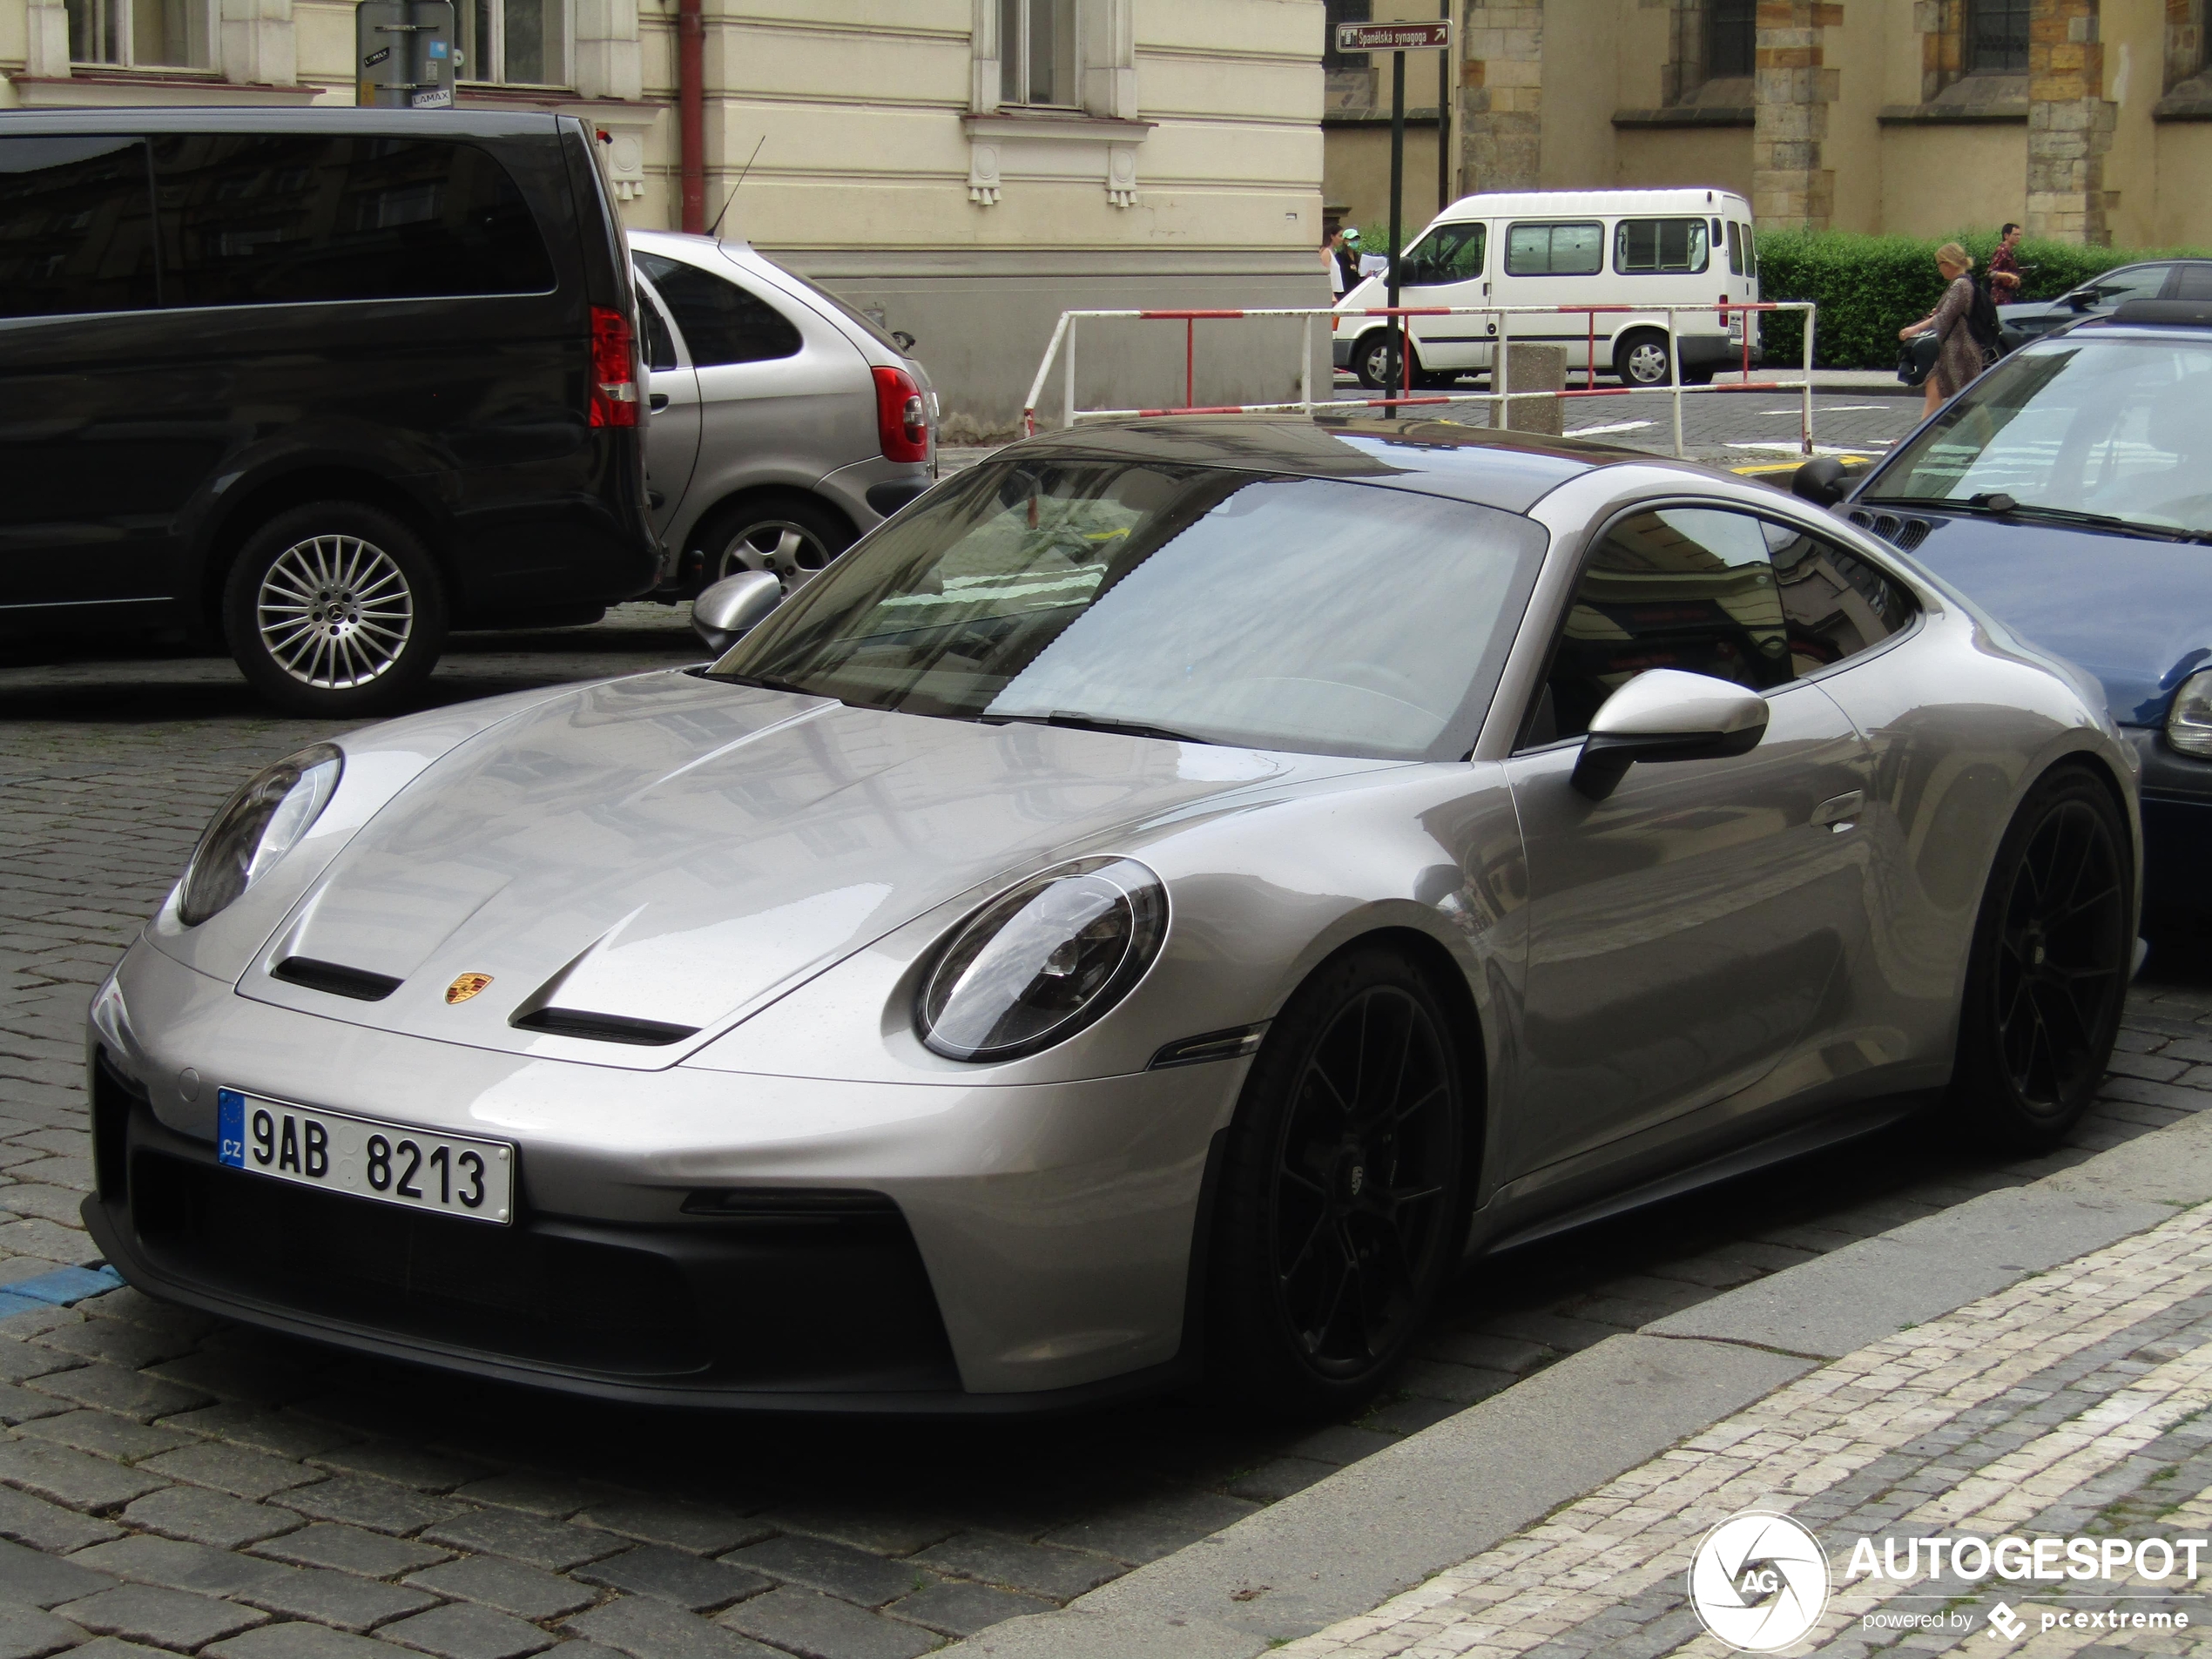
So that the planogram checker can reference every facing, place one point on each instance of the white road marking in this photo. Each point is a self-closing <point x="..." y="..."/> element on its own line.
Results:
<point x="1617" y="426"/>
<point x="1817" y="449"/>
<point x="1831" y="408"/>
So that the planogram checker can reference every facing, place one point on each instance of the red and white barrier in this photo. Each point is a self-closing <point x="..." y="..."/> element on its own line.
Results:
<point x="1062" y="346"/>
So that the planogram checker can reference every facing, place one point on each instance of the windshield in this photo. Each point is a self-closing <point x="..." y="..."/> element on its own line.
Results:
<point x="1302" y="614"/>
<point x="2086" y="424"/>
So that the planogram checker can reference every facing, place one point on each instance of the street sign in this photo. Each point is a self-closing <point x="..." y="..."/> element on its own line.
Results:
<point x="1392" y="37"/>
<point x="403" y="54"/>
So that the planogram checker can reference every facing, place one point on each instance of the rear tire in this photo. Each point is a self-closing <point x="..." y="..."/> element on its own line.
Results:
<point x="788" y="536"/>
<point x="2048" y="972"/>
<point x="1639" y="359"/>
<point x="1342" y="1208"/>
<point x="335" y="610"/>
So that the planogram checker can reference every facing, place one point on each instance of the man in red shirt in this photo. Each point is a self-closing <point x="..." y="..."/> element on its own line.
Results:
<point x="2004" y="269"/>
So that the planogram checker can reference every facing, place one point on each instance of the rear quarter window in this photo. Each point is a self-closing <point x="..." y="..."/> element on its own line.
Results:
<point x="274" y="219"/>
<point x="76" y="227"/>
<point x="1660" y="246"/>
<point x="721" y="321"/>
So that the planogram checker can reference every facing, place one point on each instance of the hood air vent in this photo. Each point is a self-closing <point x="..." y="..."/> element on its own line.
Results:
<point x="1902" y="534"/>
<point x="603" y="1028"/>
<point x="336" y="978"/>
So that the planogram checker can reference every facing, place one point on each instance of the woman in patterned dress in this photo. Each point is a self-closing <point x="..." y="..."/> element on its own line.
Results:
<point x="1958" y="358"/>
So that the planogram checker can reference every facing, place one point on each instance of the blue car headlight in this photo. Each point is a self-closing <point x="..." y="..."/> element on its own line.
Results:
<point x="257" y="827"/>
<point x="1043" y="960"/>
<point x="2189" y="724"/>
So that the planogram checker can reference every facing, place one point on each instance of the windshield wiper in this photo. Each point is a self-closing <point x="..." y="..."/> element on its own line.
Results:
<point x="1997" y="504"/>
<point x="770" y="682"/>
<point x="1093" y="722"/>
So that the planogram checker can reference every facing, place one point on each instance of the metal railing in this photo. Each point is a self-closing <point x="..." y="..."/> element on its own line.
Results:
<point x="1062" y="346"/>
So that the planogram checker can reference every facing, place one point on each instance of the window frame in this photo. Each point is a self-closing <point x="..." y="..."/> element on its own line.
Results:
<point x="1506" y="259"/>
<point x="686" y="353"/>
<point x="1974" y="58"/>
<point x="494" y="61"/>
<point x="1481" y="229"/>
<point x="1016" y="74"/>
<point x="1922" y="603"/>
<point x="1620" y="236"/>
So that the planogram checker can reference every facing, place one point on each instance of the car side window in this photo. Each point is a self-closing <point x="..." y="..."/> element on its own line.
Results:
<point x="2193" y="281"/>
<point x="1643" y="246"/>
<point x="2134" y="282"/>
<point x="660" y="346"/>
<point x="721" y="322"/>
<point x="1448" y="253"/>
<point x="76" y="227"/>
<point x="276" y="218"/>
<point x="1710" y="591"/>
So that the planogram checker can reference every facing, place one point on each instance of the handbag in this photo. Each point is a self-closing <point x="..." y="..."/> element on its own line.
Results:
<point x="1916" y="357"/>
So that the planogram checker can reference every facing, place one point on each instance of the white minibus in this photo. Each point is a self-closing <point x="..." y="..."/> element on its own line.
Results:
<point x="1639" y="248"/>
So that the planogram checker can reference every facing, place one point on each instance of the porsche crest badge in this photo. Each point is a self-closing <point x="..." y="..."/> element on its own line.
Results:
<point x="466" y="987"/>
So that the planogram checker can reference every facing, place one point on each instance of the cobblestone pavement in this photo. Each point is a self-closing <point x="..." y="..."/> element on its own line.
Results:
<point x="186" y="1484"/>
<point x="2069" y="1406"/>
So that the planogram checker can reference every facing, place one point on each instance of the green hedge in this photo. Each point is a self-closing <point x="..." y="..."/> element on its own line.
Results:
<point x="1868" y="288"/>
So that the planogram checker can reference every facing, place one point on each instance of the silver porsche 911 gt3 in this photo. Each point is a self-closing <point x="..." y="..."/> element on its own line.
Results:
<point x="1150" y="908"/>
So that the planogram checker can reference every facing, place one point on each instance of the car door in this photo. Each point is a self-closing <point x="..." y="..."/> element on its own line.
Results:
<point x="1553" y="263"/>
<point x="1447" y="268"/>
<point x="672" y="427"/>
<point x="1687" y="932"/>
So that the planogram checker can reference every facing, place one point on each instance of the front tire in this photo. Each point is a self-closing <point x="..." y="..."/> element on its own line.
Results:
<point x="2048" y="974"/>
<point x="1375" y="360"/>
<point x="335" y="610"/>
<point x="1342" y="1208"/>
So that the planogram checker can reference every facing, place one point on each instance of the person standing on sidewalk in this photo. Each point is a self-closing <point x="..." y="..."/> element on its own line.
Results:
<point x="2004" y="267"/>
<point x="1958" y="356"/>
<point x="1344" y="261"/>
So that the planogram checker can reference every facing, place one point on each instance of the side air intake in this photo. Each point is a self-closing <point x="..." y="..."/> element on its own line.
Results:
<point x="336" y="978"/>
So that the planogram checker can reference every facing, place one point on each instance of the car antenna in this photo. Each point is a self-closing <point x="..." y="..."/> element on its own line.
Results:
<point x="715" y="229"/>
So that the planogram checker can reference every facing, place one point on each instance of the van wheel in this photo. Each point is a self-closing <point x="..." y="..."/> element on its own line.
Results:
<point x="787" y="535"/>
<point x="1341" y="1208"/>
<point x="1375" y="360"/>
<point x="1641" y="359"/>
<point x="334" y="608"/>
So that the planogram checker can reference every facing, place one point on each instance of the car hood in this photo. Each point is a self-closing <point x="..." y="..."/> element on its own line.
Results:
<point x="2136" y="613"/>
<point x="679" y="851"/>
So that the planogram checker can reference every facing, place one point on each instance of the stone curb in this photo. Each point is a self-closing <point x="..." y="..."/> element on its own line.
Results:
<point x="1352" y="1541"/>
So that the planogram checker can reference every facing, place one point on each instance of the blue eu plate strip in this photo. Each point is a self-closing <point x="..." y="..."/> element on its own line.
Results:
<point x="230" y="1128"/>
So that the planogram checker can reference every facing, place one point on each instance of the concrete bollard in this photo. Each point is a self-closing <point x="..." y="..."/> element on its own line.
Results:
<point x="1541" y="371"/>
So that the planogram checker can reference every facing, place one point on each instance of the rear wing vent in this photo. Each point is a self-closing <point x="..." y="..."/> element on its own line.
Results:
<point x="603" y="1028"/>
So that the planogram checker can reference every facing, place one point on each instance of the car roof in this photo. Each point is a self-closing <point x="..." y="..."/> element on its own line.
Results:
<point x="453" y="123"/>
<point x="1509" y="470"/>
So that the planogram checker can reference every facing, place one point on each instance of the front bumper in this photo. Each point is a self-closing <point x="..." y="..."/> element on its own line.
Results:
<point x="893" y="1248"/>
<point x="2177" y="826"/>
<point x="1340" y="352"/>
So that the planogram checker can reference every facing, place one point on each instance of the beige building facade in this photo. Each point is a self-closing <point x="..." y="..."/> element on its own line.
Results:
<point x="964" y="170"/>
<point x="2089" y="120"/>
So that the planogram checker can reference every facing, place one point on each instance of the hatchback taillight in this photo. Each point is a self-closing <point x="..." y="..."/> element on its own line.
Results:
<point x="901" y="417"/>
<point x="614" y="370"/>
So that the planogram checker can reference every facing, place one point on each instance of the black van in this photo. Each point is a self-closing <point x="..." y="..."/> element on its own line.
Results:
<point x="325" y="382"/>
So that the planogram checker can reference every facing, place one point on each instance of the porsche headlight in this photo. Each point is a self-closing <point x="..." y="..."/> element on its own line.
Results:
<point x="1039" y="963"/>
<point x="256" y="828"/>
<point x="2189" y="726"/>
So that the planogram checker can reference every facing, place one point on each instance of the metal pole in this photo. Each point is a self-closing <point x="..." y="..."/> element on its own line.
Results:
<point x="1069" y="365"/>
<point x="1190" y="362"/>
<point x="1674" y="380"/>
<point x="1305" y="369"/>
<point x="1501" y="373"/>
<point x="1807" y="417"/>
<point x="1398" y="330"/>
<point x="1444" y="116"/>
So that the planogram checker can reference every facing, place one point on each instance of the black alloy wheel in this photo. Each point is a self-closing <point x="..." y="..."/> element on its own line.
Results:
<point x="2049" y="972"/>
<point x="1342" y="1208"/>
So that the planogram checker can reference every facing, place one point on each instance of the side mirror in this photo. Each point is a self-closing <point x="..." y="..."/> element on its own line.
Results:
<point x="1820" y="481"/>
<point x="732" y="607"/>
<point x="906" y="341"/>
<point x="1664" y="714"/>
<point x="2082" y="299"/>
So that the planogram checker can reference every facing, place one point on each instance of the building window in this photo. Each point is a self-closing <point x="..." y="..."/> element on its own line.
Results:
<point x="1731" y="45"/>
<point x="1997" y="37"/>
<point x="1345" y="11"/>
<point x="141" y="34"/>
<point x="517" y="42"/>
<point x="1037" y="52"/>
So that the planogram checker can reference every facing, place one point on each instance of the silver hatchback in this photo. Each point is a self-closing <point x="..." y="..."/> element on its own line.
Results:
<point x="784" y="423"/>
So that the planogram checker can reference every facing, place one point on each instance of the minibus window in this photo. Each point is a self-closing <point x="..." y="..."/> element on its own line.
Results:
<point x="1735" y="250"/>
<point x="1646" y="246"/>
<point x="1447" y="254"/>
<point x="1554" y="250"/>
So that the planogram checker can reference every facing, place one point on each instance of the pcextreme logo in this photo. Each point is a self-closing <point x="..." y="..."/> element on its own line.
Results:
<point x="1759" y="1582"/>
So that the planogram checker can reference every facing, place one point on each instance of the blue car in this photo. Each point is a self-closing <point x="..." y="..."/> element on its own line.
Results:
<point x="2069" y="492"/>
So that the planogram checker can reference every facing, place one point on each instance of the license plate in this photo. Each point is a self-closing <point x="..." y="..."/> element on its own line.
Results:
<point x="390" y="1162"/>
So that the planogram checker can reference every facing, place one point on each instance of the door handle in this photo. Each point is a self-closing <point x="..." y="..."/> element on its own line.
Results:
<point x="658" y="401"/>
<point x="1842" y="812"/>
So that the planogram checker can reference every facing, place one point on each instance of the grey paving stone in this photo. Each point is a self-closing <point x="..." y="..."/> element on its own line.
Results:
<point x="26" y="1633"/>
<point x="1061" y="1574"/>
<point x="302" y="1641"/>
<point x="377" y="1505"/>
<point x="23" y="1405"/>
<point x="509" y="1586"/>
<point x="104" y="1434"/>
<point x="162" y="1618"/>
<point x="702" y="1530"/>
<point x="1410" y="1415"/>
<point x="279" y="1434"/>
<point x="77" y="1479"/>
<point x="539" y="1543"/>
<point x="118" y="1342"/>
<point x="205" y="1517"/>
<point x="672" y="1575"/>
<point x="1279" y="1477"/>
<point x="20" y="1361"/>
<point x="32" y="1578"/>
<point x="821" y="1627"/>
<point x="350" y="1549"/>
<point x="822" y="1565"/>
<point x="962" y="1610"/>
<point x="645" y="1628"/>
<point x="402" y="1465"/>
<point x="46" y="1526"/>
<point x="116" y="1647"/>
<point x="179" y="1566"/>
<point x="879" y="1531"/>
<point x="538" y="1494"/>
<point x="130" y="1393"/>
<point x="1340" y="1443"/>
<point x="463" y="1630"/>
<point x="234" y="1469"/>
<point x="330" y="1597"/>
<point x="241" y="1377"/>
